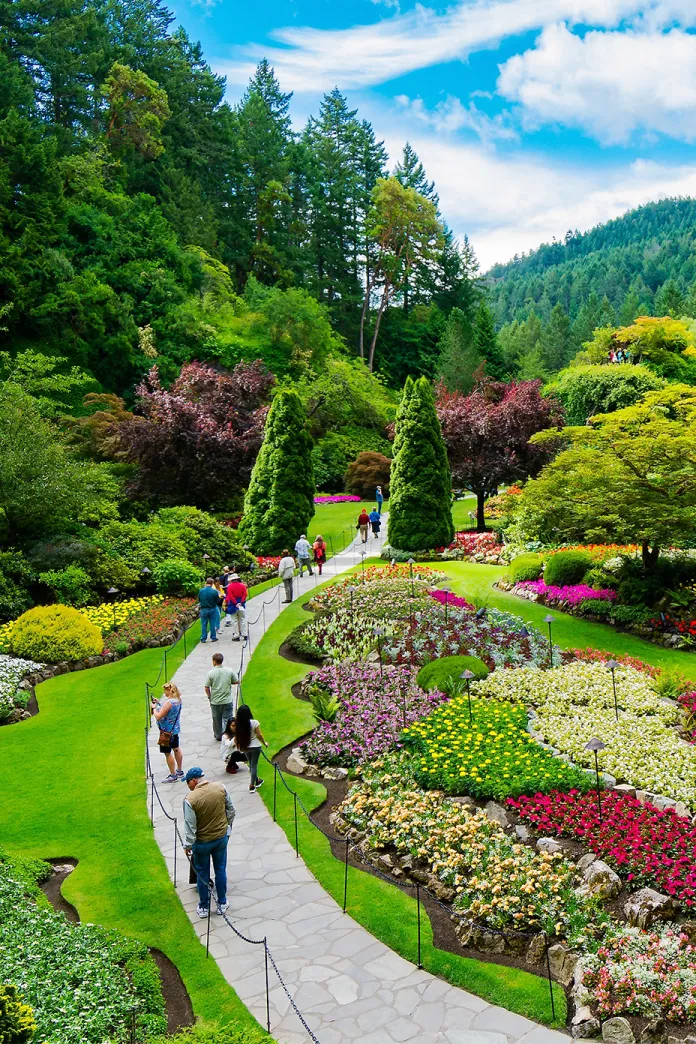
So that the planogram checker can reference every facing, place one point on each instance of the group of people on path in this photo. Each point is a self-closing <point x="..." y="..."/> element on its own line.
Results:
<point x="209" y="811"/>
<point x="227" y="594"/>
<point x="619" y="355"/>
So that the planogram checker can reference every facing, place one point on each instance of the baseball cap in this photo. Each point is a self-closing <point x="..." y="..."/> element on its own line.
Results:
<point x="193" y="773"/>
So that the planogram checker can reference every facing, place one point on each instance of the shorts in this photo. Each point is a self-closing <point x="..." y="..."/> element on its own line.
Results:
<point x="174" y="745"/>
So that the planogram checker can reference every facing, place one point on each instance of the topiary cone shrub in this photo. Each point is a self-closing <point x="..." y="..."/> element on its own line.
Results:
<point x="53" y="633"/>
<point x="366" y="472"/>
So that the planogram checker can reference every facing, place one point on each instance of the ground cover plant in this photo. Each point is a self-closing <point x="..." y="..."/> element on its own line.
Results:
<point x="597" y="656"/>
<point x="12" y="671"/>
<point x="644" y="844"/>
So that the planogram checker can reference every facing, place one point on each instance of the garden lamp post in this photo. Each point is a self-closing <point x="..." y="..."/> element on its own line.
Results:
<point x="145" y="572"/>
<point x="596" y="745"/>
<point x="393" y="563"/>
<point x="467" y="676"/>
<point x="549" y="620"/>
<point x="447" y="592"/>
<point x="378" y="632"/>
<point x="611" y="666"/>
<point x="362" y="562"/>
<point x="410" y="573"/>
<point x="352" y="591"/>
<point x="113" y="591"/>
<point x="480" y="613"/>
<point x="524" y="633"/>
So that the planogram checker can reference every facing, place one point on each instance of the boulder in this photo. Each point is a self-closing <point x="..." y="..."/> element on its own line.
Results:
<point x="497" y="813"/>
<point x="467" y="802"/>
<point x="654" y="1033"/>
<point x="587" y="860"/>
<point x="682" y="810"/>
<point x="406" y="862"/>
<point x="660" y="801"/>
<point x="312" y="770"/>
<point x="385" y="862"/>
<point x="562" y="963"/>
<point x="625" y="789"/>
<point x="646" y="906"/>
<point x="548" y="844"/>
<point x="689" y="930"/>
<point x="522" y="832"/>
<point x="583" y="1023"/>
<point x="296" y="764"/>
<point x="601" y="880"/>
<point x="535" y="950"/>
<point x="617" y="1031"/>
<point x="334" y="772"/>
<point x="439" y="889"/>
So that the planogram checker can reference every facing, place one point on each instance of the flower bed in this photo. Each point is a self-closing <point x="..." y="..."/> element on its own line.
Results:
<point x="395" y="598"/>
<point x="569" y="596"/>
<point x="598" y="656"/>
<point x="452" y="601"/>
<point x="493" y="756"/>
<point x="107" y="617"/>
<point x="688" y="701"/>
<point x="646" y="845"/>
<point x="12" y="671"/>
<point x="152" y="625"/>
<point x="643" y="973"/>
<point x="372" y="715"/>
<point x="340" y="498"/>
<point x="268" y="562"/>
<point x="480" y="547"/>
<point x="668" y="624"/>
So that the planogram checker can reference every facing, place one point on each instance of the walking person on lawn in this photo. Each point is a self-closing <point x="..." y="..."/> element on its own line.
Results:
<point x="319" y="549"/>
<point x="208" y="818"/>
<point x="286" y="572"/>
<point x="379" y="497"/>
<point x="363" y="524"/>
<point x="167" y="712"/>
<point x="248" y="739"/>
<point x="236" y="594"/>
<point x="209" y="601"/>
<point x="218" y="688"/>
<point x="303" y="550"/>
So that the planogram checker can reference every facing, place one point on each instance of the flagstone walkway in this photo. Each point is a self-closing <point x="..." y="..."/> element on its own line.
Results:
<point x="347" y="984"/>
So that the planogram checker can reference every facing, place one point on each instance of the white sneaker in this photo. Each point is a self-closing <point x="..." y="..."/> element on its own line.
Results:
<point x="202" y="911"/>
<point x="221" y="909"/>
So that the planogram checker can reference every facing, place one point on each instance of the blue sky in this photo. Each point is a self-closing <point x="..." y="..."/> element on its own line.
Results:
<point x="532" y="116"/>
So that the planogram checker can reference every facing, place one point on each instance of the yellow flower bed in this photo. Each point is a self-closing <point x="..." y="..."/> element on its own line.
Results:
<point x="107" y="616"/>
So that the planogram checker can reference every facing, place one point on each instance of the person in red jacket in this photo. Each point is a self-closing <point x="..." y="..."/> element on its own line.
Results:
<point x="236" y="595"/>
<point x="363" y="525"/>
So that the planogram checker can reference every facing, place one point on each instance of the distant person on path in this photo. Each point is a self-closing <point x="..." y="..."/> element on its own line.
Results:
<point x="218" y="688"/>
<point x="375" y="522"/>
<point x="379" y="497"/>
<point x="363" y="523"/>
<point x="236" y="594"/>
<point x="319" y="548"/>
<point x="221" y="601"/>
<point x="286" y="571"/>
<point x="249" y="738"/>
<point x="208" y="818"/>
<point x="303" y="550"/>
<point x="167" y="712"/>
<point x="209" y="601"/>
<point x="228" y="749"/>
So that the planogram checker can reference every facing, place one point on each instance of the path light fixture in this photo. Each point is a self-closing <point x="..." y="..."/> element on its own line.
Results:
<point x="206" y="558"/>
<point x="145" y="571"/>
<point x="524" y="633"/>
<point x="549" y="620"/>
<point x="595" y="745"/>
<point x="351" y="591"/>
<point x="447" y="592"/>
<point x="378" y="633"/>
<point x="410" y="571"/>
<point x="611" y="665"/>
<point x="480" y="613"/>
<point x="467" y="676"/>
<point x="113" y="591"/>
<point x="393" y="563"/>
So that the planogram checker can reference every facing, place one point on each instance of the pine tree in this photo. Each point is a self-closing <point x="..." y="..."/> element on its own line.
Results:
<point x="669" y="300"/>
<point x="557" y="344"/>
<point x="486" y="342"/>
<point x="279" y="503"/>
<point x="420" y="504"/>
<point x="411" y="173"/>
<point x="459" y="357"/>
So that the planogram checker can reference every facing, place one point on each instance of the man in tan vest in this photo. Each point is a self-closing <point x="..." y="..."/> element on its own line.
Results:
<point x="208" y="817"/>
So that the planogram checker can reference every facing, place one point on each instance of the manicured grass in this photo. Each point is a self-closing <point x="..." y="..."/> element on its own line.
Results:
<point x="79" y="791"/>
<point x="380" y="907"/>
<point x="336" y="523"/>
<point x="460" y="513"/>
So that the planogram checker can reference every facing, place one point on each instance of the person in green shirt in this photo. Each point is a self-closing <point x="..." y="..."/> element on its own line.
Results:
<point x="218" y="688"/>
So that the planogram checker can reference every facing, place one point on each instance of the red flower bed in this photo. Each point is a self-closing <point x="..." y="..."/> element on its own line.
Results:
<point x="597" y="656"/>
<point x="453" y="601"/>
<point x="154" y="623"/>
<point x="268" y="561"/>
<point x="471" y="542"/>
<point x="644" y="844"/>
<point x="688" y="702"/>
<point x="670" y="624"/>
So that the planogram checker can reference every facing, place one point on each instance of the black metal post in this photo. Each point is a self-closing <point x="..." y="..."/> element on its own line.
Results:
<point x="616" y="702"/>
<point x="550" y="648"/>
<point x="379" y="651"/>
<point x="345" y="880"/>
<point x="297" y="842"/>
<point x="548" y="970"/>
<point x="133" y="1026"/>
<point x="403" y="703"/>
<point x="152" y="796"/>
<point x="446" y="605"/>
<point x="275" y="789"/>
<point x="175" y="853"/>
<point x="599" y="789"/>
<point x="418" y="904"/>
<point x="165" y="664"/>
<point x="410" y="570"/>
<point x="468" y="696"/>
<point x="268" y="996"/>
<point x="210" y="903"/>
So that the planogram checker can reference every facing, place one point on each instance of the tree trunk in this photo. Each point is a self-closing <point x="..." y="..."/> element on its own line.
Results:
<point x="373" y="344"/>
<point x="650" y="556"/>
<point x="363" y="317"/>
<point x="480" y="513"/>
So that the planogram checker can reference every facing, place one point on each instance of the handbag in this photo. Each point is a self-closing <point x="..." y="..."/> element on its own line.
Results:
<point x="165" y="738"/>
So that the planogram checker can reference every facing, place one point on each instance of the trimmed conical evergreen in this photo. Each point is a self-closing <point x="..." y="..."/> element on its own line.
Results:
<point x="279" y="504"/>
<point x="420" y="501"/>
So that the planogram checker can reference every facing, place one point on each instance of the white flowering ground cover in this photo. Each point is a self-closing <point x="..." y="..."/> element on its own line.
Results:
<point x="12" y="670"/>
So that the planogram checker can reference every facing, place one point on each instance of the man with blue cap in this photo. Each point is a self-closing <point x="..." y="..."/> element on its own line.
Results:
<point x="208" y="817"/>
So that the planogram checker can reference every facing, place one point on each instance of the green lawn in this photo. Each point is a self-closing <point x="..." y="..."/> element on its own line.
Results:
<point x="79" y="791"/>
<point x="460" y="513"/>
<point x="384" y="910"/>
<point x="336" y="523"/>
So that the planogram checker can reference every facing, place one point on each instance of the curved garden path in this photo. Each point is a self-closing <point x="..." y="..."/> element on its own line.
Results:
<point x="348" y="985"/>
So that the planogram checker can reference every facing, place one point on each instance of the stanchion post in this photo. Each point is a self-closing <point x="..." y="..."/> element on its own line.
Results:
<point x="418" y="906"/>
<point x="263" y="615"/>
<point x="207" y="934"/>
<point x="345" y="880"/>
<point x="548" y="970"/>
<point x="297" y="842"/>
<point x="268" y="995"/>
<point x="275" y="790"/>
<point x="185" y="652"/>
<point x="133" y="1026"/>
<point x="175" y="853"/>
<point x="165" y="664"/>
<point x="152" y="797"/>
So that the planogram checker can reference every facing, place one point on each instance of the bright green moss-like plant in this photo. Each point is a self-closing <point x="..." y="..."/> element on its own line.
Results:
<point x="525" y="567"/>
<point x="52" y="633"/>
<point x="438" y="673"/>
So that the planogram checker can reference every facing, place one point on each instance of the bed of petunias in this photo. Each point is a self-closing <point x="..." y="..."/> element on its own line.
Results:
<point x="485" y="792"/>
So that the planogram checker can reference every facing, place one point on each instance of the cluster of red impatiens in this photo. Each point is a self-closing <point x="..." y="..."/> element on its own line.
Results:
<point x="598" y="656"/>
<point x="642" y="843"/>
<point x="688" y="702"/>
<point x="666" y="622"/>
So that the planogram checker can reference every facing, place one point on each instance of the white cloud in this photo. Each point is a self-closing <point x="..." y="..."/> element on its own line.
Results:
<point x="451" y="115"/>
<point x="609" y="84"/>
<point x="317" y="59"/>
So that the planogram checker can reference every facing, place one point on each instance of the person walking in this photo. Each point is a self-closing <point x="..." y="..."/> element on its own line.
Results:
<point x="208" y="817"/>
<point x="363" y="523"/>
<point x="167" y="712"/>
<point x="319" y="549"/>
<point x="228" y="749"/>
<point x="209" y="601"/>
<point x="236" y="595"/>
<point x="286" y="571"/>
<point x="218" y="688"/>
<point x="375" y="522"/>
<point x="303" y="550"/>
<point x="249" y="739"/>
<point x="379" y="497"/>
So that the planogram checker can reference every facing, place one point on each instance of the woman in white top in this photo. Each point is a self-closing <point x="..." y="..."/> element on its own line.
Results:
<point x="228" y="749"/>
<point x="248" y="740"/>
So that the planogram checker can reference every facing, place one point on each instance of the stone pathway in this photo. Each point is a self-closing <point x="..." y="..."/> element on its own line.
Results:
<point x="347" y="984"/>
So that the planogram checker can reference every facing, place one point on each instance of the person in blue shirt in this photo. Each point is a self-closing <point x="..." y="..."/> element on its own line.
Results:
<point x="375" y="522"/>
<point x="210" y="602"/>
<point x="379" y="497"/>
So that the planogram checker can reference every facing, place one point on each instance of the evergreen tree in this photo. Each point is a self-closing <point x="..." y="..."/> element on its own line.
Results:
<point x="459" y="358"/>
<point x="411" y="173"/>
<point x="420" y="504"/>
<point x="557" y="344"/>
<point x="669" y="300"/>
<point x="279" y="504"/>
<point x="486" y="342"/>
<point x="629" y="309"/>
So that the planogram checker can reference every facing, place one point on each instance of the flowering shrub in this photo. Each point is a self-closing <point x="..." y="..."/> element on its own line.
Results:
<point x="268" y="561"/>
<point x="110" y="615"/>
<point x="493" y="756"/>
<point x="600" y="552"/>
<point x="598" y="656"/>
<point x="341" y="635"/>
<point x="452" y="601"/>
<point x="645" y="845"/>
<point x="573" y="594"/>
<point x="472" y="543"/>
<point x="12" y="671"/>
<point x="643" y="973"/>
<point x="670" y="624"/>
<point x="152" y="624"/>
<point x="688" y="702"/>
<point x="372" y="714"/>
<point x="341" y="498"/>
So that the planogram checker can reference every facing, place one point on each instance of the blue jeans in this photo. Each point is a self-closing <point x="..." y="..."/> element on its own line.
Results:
<point x="209" y="618"/>
<point x="202" y="853"/>
<point x="379" y="506"/>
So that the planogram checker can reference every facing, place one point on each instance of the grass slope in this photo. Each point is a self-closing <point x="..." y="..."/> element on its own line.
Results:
<point x="336" y="523"/>
<point x="80" y="792"/>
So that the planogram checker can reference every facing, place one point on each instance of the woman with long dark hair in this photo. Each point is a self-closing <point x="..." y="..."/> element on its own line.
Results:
<point x="248" y="740"/>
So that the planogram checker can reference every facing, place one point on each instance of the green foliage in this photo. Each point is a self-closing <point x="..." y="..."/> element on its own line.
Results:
<point x="365" y="473"/>
<point x="671" y="684"/>
<point x="17" y="1023"/>
<point x="526" y="567"/>
<point x="15" y="575"/>
<point x="587" y="390"/>
<point x="53" y="633"/>
<point x="448" y="669"/>
<point x="137" y="109"/>
<point x="629" y="615"/>
<point x="280" y="500"/>
<point x="333" y="454"/>
<point x="208" y="1035"/>
<point x="204" y="535"/>
<point x="325" y="707"/>
<point x="69" y="586"/>
<point x="459" y="358"/>
<point x="54" y="391"/>
<point x="177" y="576"/>
<point x="566" y="567"/>
<point x="598" y="578"/>
<point x="666" y="346"/>
<point x="420" y="507"/>
<point x="596" y="607"/>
